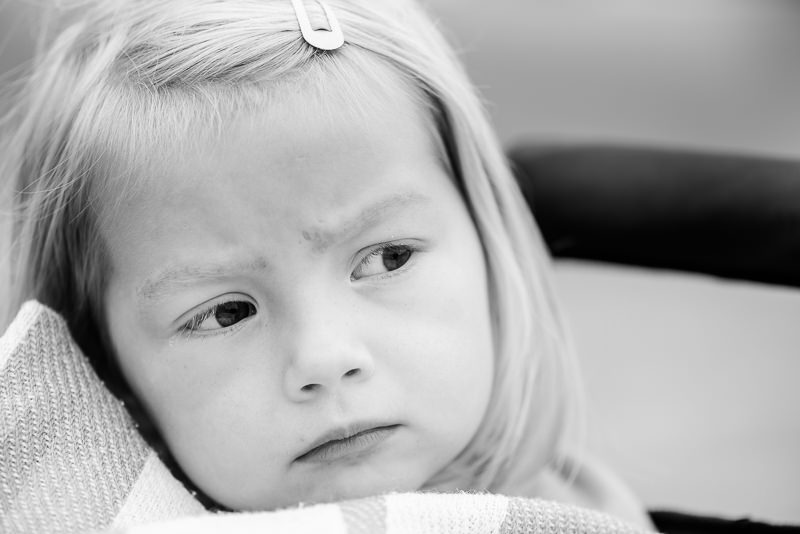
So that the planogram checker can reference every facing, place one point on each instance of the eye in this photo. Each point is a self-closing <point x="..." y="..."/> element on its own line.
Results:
<point x="220" y="316"/>
<point x="382" y="260"/>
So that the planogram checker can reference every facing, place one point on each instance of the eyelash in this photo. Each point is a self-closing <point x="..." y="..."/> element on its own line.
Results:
<point x="197" y="320"/>
<point x="192" y="326"/>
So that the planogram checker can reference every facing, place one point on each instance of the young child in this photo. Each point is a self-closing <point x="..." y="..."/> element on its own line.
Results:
<point x="303" y="252"/>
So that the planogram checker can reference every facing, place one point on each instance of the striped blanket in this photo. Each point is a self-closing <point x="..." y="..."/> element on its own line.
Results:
<point x="409" y="513"/>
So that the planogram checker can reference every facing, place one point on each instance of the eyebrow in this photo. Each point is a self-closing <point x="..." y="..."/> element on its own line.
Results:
<point x="174" y="278"/>
<point x="368" y="217"/>
<point x="177" y="277"/>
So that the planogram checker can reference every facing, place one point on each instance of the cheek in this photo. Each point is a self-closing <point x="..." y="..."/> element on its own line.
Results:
<point x="221" y="424"/>
<point x="457" y="303"/>
<point x="455" y="320"/>
<point x="223" y="383"/>
<point x="210" y="405"/>
<point x="447" y="332"/>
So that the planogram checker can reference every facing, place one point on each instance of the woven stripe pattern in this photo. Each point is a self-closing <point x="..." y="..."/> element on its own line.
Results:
<point x="70" y="454"/>
<point x="410" y="513"/>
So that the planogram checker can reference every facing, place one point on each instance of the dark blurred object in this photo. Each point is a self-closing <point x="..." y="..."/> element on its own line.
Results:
<point x="679" y="523"/>
<point x="727" y="215"/>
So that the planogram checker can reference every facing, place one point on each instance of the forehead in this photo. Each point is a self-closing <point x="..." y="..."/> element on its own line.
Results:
<point x="308" y="142"/>
<point x="154" y="132"/>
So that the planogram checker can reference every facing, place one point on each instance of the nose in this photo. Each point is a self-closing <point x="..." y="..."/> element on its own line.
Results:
<point x="326" y="355"/>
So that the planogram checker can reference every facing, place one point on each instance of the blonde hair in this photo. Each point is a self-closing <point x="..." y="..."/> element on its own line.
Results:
<point x="127" y="76"/>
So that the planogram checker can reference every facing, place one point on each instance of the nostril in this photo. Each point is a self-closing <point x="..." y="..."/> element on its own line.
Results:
<point x="312" y="388"/>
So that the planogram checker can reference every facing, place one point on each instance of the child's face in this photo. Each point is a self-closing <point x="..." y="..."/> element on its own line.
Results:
<point x="308" y="276"/>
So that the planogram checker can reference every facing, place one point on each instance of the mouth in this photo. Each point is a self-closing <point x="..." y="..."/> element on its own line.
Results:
<point x="347" y="443"/>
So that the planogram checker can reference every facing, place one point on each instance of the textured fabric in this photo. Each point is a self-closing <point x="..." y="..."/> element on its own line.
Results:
<point x="543" y="517"/>
<point x="71" y="459"/>
<point x="365" y="517"/>
<point x="409" y="513"/>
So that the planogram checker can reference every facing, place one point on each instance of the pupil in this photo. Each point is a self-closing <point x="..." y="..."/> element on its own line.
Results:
<point x="394" y="258"/>
<point x="231" y="313"/>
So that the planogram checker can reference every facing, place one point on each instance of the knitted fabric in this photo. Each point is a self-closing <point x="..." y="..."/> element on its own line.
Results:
<point x="409" y="513"/>
<point x="71" y="459"/>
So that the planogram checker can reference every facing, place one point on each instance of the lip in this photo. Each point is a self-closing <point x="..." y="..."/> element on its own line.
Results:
<point x="352" y="441"/>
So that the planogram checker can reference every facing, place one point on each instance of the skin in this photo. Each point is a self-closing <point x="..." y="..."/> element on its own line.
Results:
<point x="284" y="217"/>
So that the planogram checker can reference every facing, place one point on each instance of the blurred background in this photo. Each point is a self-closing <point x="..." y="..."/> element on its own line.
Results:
<point x="692" y="381"/>
<point x="707" y="73"/>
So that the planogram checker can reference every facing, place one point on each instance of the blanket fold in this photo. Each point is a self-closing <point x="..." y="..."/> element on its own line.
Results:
<point x="71" y="459"/>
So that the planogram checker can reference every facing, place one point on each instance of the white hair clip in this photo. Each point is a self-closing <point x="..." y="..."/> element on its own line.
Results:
<point x="324" y="39"/>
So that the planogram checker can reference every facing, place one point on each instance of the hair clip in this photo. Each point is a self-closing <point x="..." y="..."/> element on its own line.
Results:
<point x="324" y="39"/>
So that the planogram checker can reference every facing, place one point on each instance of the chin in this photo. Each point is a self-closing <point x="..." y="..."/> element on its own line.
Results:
<point x="343" y="482"/>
